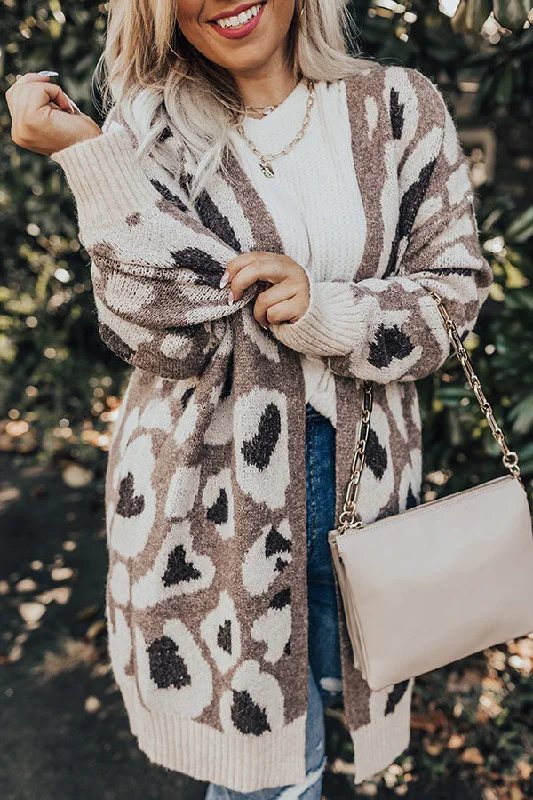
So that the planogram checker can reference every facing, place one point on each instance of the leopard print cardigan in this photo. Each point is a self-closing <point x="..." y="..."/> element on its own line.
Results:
<point x="205" y="487"/>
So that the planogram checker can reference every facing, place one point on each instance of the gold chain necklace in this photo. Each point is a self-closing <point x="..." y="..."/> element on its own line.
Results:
<point x="264" y="110"/>
<point x="265" y="159"/>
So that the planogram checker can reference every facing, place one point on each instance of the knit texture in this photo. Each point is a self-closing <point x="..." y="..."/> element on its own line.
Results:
<point x="205" y="485"/>
<point x="317" y="174"/>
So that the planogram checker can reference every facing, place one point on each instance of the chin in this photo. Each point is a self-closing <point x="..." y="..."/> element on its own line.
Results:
<point x="244" y="63"/>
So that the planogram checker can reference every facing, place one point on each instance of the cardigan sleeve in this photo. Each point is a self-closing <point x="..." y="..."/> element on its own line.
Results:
<point x="155" y="268"/>
<point x="389" y="328"/>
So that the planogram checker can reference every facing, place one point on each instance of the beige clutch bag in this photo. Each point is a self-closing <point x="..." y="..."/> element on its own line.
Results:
<point x="441" y="581"/>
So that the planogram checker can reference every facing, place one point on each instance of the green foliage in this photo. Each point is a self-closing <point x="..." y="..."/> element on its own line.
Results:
<point x="51" y="359"/>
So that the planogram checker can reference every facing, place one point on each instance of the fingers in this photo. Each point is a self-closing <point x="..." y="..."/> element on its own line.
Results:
<point x="51" y="92"/>
<point x="30" y="77"/>
<point x="44" y="93"/>
<point x="248" y="268"/>
<point x="61" y="98"/>
<point x="277" y="304"/>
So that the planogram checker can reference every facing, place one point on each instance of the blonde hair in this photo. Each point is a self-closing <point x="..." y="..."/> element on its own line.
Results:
<point x="140" y="85"/>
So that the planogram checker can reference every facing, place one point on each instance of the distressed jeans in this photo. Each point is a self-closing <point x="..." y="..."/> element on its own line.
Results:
<point x="324" y="673"/>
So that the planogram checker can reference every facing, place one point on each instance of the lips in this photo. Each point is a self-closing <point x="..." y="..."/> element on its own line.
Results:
<point x="221" y="23"/>
<point x="234" y="12"/>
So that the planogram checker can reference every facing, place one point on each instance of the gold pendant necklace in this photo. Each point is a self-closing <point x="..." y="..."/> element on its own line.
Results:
<point x="265" y="159"/>
<point x="266" y="169"/>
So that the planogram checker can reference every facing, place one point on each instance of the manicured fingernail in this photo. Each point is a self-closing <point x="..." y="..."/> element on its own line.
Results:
<point x="73" y="107"/>
<point x="224" y="279"/>
<point x="231" y="299"/>
<point x="48" y="72"/>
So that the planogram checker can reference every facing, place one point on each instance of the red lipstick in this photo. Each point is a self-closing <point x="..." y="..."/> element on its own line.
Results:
<point x="241" y="30"/>
<point x="234" y="11"/>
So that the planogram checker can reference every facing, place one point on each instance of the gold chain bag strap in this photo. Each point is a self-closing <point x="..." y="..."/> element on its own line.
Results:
<point x="440" y="581"/>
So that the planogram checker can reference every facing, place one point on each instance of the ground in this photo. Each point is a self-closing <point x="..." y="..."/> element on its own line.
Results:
<point x="64" y="731"/>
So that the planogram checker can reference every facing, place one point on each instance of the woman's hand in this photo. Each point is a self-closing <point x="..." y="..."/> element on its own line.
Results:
<point x="287" y="299"/>
<point x="39" y="121"/>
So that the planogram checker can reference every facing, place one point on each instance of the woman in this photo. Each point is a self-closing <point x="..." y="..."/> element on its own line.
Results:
<point x="264" y="216"/>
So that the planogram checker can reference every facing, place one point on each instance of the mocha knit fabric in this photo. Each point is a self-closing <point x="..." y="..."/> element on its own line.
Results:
<point x="205" y="489"/>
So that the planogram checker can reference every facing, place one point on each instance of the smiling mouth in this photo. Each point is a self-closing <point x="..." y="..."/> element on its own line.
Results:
<point x="238" y="20"/>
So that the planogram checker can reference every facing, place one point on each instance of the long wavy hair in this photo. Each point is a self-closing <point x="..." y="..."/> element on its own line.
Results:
<point x="144" y="84"/>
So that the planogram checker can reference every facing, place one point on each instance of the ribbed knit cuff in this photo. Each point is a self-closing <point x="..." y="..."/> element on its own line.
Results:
<point x="106" y="178"/>
<point x="328" y="326"/>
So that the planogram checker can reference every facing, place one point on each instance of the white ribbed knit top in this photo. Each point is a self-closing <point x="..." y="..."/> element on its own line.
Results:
<point x="314" y="199"/>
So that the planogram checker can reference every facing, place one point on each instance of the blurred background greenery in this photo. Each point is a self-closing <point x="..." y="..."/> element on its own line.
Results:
<point x="60" y="388"/>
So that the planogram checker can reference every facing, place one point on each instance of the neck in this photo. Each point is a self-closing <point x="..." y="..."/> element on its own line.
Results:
<point x="266" y="85"/>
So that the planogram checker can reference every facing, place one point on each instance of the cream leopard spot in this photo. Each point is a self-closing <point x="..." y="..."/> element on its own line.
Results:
<point x="267" y="557"/>
<point x="220" y="429"/>
<point x="134" y="512"/>
<point x="255" y="703"/>
<point x="183" y="387"/>
<point x="458" y="184"/>
<point x="119" y="644"/>
<point x="377" y="480"/>
<point x="261" y="445"/>
<point x="120" y="583"/>
<point x="174" y="678"/>
<point x="131" y="334"/>
<point x="176" y="345"/>
<point x="372" y="114"/>
<point x="425" y="151"/>
<point x="182" y="492"/>
<point x="120" y="286"/>
<point x="118" y="425"/>
<point x="389" y="204"/>
<point x="222" y="633"/>
<point x="394" y="394"/>
<point x="382" y="703"/>
<point x="405" y="491"/>
<point x="156" y="415"/>
<point x="416" y="466"/>
<point x="414" y="411"/>
<point x="404" y="95"/>
<point x="428" y="209"/>
<point x="274" y="627"/>
<point x="186" y="424"/>
<point x="458" y="254"/>
<point x="129" y="424"/>
<point x="178" y="570"/>
<point x="450" y="143"/>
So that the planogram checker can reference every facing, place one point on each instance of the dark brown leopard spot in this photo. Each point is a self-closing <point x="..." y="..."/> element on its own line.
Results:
<point x="129" y="504"/>
<point x="167" y="667"/>
<point x="179" y="569"/>
<point x="258" y="450"/>
<point x="224" y="636"/>
<point x="247" y="716"/>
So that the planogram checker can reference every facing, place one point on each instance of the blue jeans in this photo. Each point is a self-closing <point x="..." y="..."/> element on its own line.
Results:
<point x="324" y="674"/>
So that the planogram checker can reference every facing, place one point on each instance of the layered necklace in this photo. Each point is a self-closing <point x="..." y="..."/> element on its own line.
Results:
<point x="265" y="159"/>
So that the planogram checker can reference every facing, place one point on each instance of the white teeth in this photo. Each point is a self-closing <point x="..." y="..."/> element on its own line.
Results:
<point x="240" y="19"/>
